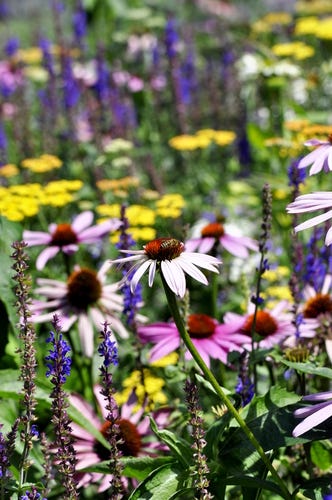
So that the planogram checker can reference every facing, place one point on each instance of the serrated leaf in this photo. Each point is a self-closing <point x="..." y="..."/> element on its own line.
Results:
<point x="161" y="484"/>
<point x="180" y="448"/>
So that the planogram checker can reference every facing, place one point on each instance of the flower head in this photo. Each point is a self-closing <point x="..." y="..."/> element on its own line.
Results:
<point x="215" y="233"/>
<point x="84" y="298"/>
<point x="168" y="255"/>
<point x="321" y="200"/>
<point x="134" y="431"/>
<point x="58" y="361"/>
<point x="66" y="237"/>
<point x="315" y="414"/>
<point x="320" y="158"/>
<point x="206" y="333"/>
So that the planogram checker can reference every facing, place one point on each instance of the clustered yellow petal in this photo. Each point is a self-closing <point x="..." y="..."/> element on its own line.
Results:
<point x="8" y="170"/>
<point x="298" y="50"/>
<point x="170" y="205"/>
<point x="202" y="139"/>
<point x="42" y="164"/>
<point x="25" y="200"/>
<point x="118" y="184"/>
<point x="146" y="385"/>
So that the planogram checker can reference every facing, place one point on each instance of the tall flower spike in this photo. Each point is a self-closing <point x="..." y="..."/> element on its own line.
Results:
<point x="201" y="481"/>
<point x="28" y="354"/>
<point x="108" y="351"/>
<point x="58" y="369"/>
<point x="169" y="257"/>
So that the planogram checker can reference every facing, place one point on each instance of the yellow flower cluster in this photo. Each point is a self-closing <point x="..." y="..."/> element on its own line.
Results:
<point x="314" y="6"/>
<point x="298" y="50"/>
<point x="9" y="170"/>
<point x="312" y="25"/>
<point x="141" y="218"/>
<point x="25" y="200"/>
<point x="146" y="385"/>
<point x="119" y="187"/>
<point x="267" y="22"/>
<point x="42" y="164"/>
<point x="202" y="139"/>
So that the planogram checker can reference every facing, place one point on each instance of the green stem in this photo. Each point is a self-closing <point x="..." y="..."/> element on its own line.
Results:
<point x="172" y="303"/>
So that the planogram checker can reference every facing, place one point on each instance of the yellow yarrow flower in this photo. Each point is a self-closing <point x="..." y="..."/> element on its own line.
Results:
<point x="224" y="137"/>
<point x="170" y="359"/>
<point x="9" y="170"/>
<point x="170" y="205"/>
<point x="189" y="142"/>
<point x="306" y="25"/>
<point x="324" y="29"/>
<point x="277" y="274"/>
<point x="116" y="184"/>
<point x="299" y="50"/>
<point x="31" y="55"/>
<point x="146" y="386"/>
<point x="45" y="163"/>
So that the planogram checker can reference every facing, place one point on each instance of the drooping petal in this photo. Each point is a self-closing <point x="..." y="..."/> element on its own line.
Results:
<point x="314" y="221"/>
<point x="44" y="256"/>
<point x="138" y="274"/>
<point x="314" y="419"/>
<point x="174" y="276"/>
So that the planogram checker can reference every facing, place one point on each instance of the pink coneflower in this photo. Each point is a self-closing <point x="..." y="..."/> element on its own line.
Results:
<point x="313" y="415"/>
<point x="321" y="200"/>
<point x="134" y="431"/>
<point x="206" y="333"/>
<point x="169" y="257"/>
<point x="84" y="298"/>
<point x="271" y="326"/>
<point x="320" y="158"/>
<point x="318" y="306"/>
<point x="66" y="237"/>
<point x="214" y="234"/>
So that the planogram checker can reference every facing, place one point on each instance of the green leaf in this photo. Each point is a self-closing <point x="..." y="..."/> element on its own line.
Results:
<point x="180" y="448"/>
<point x="136" y="467"/>
<point x="252" y="482"/>
<point x="9" y="232"/>
<point x="162" y="484"/>
<point x="306" y="367"/>
<point x="321" y="454"/>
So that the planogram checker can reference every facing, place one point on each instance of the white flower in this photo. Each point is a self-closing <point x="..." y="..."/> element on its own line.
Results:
<point x="168" y="256"/>
<point x="320" y="158"/>
<point x="320" y="200"/>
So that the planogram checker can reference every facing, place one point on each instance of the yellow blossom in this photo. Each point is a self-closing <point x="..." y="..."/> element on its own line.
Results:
<point x="146" y="385"/>
<point x="299" y="50"/>
<point x="140" y="215"/>
<point x="8" y="170"/>
<point x="31" y="55"/>
<point x="113" y="184"/>
<point x="296" y="125"/>
<point x="142" y="233"/>
<point x="277" y="274"/>
<point x="306" y="25"/>
<point x="273" y="18"/>
<point x="170" y="205"/>
<point x="224" y="137"/>
<point x="189" y="142"/>
<point x="44" y="163"/>
<point x="324" y="29"/>
<point x="109" y="210"/>
<point x="170" y="359"/>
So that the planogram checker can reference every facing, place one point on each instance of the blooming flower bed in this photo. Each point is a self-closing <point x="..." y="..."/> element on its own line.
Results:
<point x="166" y="265"/>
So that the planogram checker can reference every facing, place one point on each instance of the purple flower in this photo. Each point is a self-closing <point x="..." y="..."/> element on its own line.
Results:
<point x="315" y="414"/>
<point x="58" y="361"/>
<point x="206" y="333"/>
<point x="11" y="46"/>
<point x="79" y="21"/>
<point x="320" y="158"/>
<point x="108" y="349"/>
<point x="66" y="237"/>
<point x="215" y="233"/>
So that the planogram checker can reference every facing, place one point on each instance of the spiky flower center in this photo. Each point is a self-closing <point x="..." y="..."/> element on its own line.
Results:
<point x="200" y="326"/>
<point x="63" y="235"/>
<point x="265" y="324"/>
<point x="320" y="304"/>
<point x="129" y="435"/>
<point x="84" y="288"/>
<point x="213" y="230"/>
<point x="297" y="354"/>
<point x="164" y="249"/>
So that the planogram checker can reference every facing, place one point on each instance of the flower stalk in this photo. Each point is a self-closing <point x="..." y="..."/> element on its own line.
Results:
<point x="172" y="303"/>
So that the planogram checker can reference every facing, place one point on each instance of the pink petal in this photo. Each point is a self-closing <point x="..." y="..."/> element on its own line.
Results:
<point x="47" y="254"/>
<point x="313" y="420"/>
<point x="82" y="221"/>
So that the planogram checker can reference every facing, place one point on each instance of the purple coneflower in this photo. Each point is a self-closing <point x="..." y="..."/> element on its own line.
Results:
<point x="206" y="333"/>
<point x="320" y="158"/>
<point x="134" y="431"/>
<point x="169" y="256"/>
<point x="313" y="415"/>
<point x="85" y="298"/>
<point x="271" y="326"/>
<point x="215" y="233"/>
<point x="66" y="237"/>
<point x="320" y="200"/>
